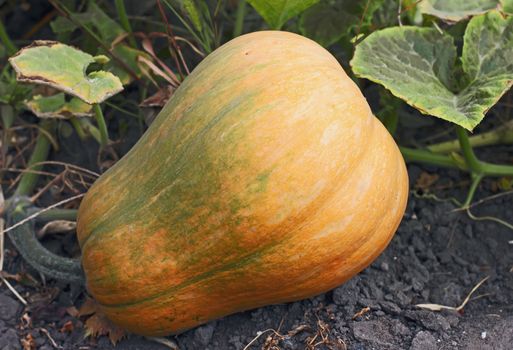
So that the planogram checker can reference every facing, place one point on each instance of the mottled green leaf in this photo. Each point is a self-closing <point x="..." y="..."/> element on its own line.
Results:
<point x="64" y="68"/>
<point x="331" y="20"/>
<point x="419" y="66"/>
<point x="56" y="106"/>
<point x="456" y="10"/>
<point x="507" y="6"/>
<point x="108" y="31"/>
<point x="277" y="12"/>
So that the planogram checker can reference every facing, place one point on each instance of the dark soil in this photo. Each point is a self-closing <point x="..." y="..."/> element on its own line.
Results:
<point x="437" y="256"/>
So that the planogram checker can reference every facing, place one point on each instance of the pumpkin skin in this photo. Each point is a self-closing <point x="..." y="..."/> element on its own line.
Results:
<point x="265" y="179"/>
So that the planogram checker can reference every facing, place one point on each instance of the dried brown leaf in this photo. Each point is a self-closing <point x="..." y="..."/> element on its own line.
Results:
<point x="98" y="324"/>
<point x="361" y="312"/>
<point x="72" y="311"/>
<point x="299" y="329"/>
<point x="57" y="226"/>
<point x="426" y="180"/>
<point x="68" y="327"/>
<point x="28" y="343"/>
<point x="160" y="98"/>
<point x="87" y="308"/>
<point x="26" y="321"/>
<point x="502" y="184"/>
<point x="435" y="307"/>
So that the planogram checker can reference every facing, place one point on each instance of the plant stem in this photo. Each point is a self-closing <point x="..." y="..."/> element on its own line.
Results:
<point x="6" y="40"/>
<point x="90" y="129"/>
<point x="102" y="126"/>
<point x="40" y="153"/>
<point x="23" y="237"/>
<point x="390" y="121"/>
<point x="191" y="31"/>
<point x="468" y="153"/>
<point x="27" y="244"/>
<point x="239" y="18"/>
<point x="477" y="168"/>
<point x="490" y="169"/>
<point x="476" y="179"/>
<point x="426" y="157"/>
<point x="123" y="110"/>
<point x="78" y="128"/>
<point x="7" y="112"/>
<point x="58" y="214"/>
<point x="500" y="135"/>
<point x="123" y="18"/>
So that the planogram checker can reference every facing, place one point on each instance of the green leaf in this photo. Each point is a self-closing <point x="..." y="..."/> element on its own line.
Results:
<point x="456" y="10"/>
<point x="130" y="56"/>
<point x="64" y="68"/>
<point x="277" y="12"/>
<point x="331" y="20"/>
<point x="507" y="6"/>
<point x="386" y="15"/>
<point x="419" y="66"/>
<point x="95" y="18"/>
<point x="56" y="106"/>
<point x="3" y="51"/>
<point x="194" y="14"/>
<point x="62" y="25"/>
<point x="11" y="92"/>
<point x="108" y="31"/>
<point x="199" y="23"/>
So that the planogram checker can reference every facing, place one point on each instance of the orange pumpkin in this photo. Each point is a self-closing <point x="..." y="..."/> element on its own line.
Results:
<point x="265" y="179"/>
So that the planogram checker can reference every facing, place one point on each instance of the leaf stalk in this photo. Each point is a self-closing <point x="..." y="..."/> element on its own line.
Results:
<point x="102" y="126"/>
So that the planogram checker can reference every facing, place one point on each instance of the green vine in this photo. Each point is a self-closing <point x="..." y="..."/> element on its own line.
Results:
<point x="102" y="126"/>
<point x="500" y="135"/>
<point x="40" y="258"/>
<point x="19" y="207"/>
<point x="39" y="154"/>
<point x="125" y="23"/>
<point x="469" y="162"/>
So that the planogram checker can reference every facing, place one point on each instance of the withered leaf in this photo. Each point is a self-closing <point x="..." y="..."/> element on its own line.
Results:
<point x="28" y="343"/>
<point x="426" y="180"/>
<point x="87" y="308"/>
<point x="98" y="324"/>
<point x="57" y="226"/>
<point x="160" y="98"/>
<point x="68" y="327"/>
